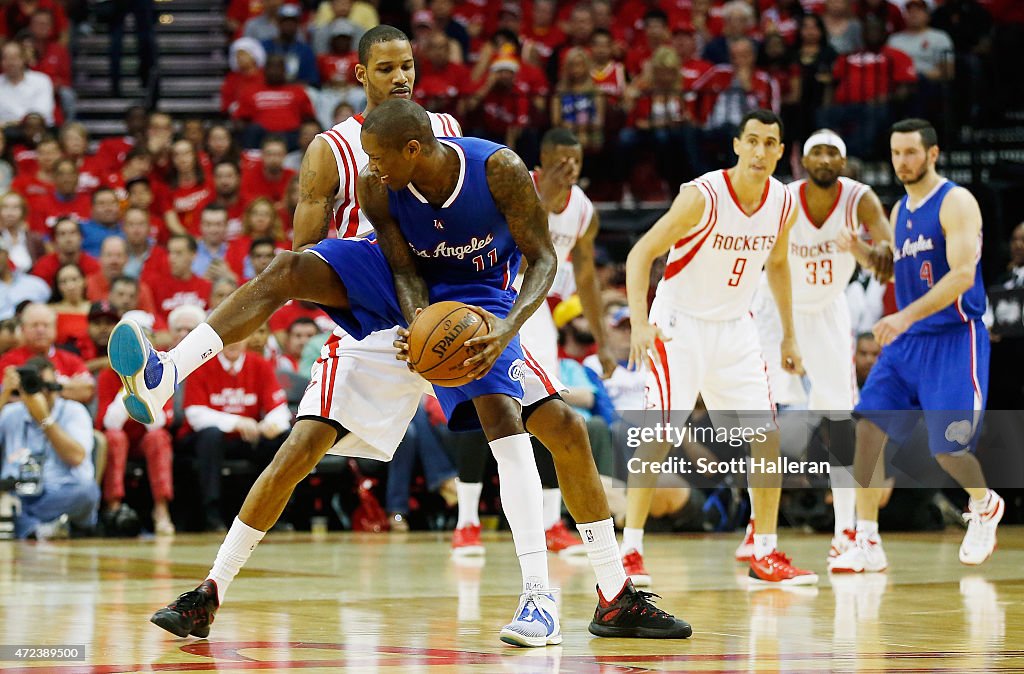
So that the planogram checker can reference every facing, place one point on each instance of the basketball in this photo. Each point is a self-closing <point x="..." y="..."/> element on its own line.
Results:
<point x="437" y="340"/>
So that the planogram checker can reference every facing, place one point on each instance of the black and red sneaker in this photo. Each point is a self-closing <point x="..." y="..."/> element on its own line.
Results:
<point x="632" y="615"/>
<point x="191" y="613"/>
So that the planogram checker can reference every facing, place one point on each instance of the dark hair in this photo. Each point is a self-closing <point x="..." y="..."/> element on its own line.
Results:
<point x="40" y="364"/>
<point x="262" y="241"/>
<point x="101" y="190"/>
<point x="929" y="137"/>
<point x="510" y="36"/>
<point x="67" y="218"/>
<point x="378" y="35"/>
<point x="213" y="208"/>
<point x="657" y="15"/>
<point x="228" y="162"/>
<point x="138" y="151"/>
<point x="865" y="335"/>
<point x="130" y="280"/>
<point x="302" y="320"/>
<point x="9" y="325"/>
<point x="397" y="121"/>
<point x="559" y="137"/>
<point x="56" y="295"/>
<point x="820" y="22"/>
<point x="601" y="32"/>
<point x="187" y="238"/>
<point x="274" y="138"/>
<point x="141" y="180"/>
<point x="763" y="116"/>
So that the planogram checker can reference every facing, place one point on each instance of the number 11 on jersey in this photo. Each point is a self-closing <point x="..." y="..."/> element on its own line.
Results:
<point x="492" y="259"/>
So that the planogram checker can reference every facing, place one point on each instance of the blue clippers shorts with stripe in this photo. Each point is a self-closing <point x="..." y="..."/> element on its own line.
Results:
<point x="944" y="374"/>
<point x="373" y="306"/>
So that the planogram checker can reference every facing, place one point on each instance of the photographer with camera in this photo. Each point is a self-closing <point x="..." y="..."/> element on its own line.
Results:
<point x="46" y="444"/>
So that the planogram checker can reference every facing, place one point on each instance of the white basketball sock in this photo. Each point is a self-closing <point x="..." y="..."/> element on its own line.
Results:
<point x="196" y="348"/>
<point x="599" y="542"/>
<point x="866" y="529"/>
<point x="469" y="503"/>
<point x="764" y="544"/>
<point x="750" y="494"/>
<point x="522" y="500"/>
<point x="552" y="507"/>
<point x="632" y="539"/>
<point x="844" y="502"/>
<point x="233" y="554"/>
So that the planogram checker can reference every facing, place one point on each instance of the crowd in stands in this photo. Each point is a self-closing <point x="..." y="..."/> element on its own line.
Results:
<point x="163" y="222"/>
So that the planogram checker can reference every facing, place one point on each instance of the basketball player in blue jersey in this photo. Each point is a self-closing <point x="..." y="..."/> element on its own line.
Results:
<point x="935" y="351"/>
<point x="454" y="217"/>
<point x="386" y="69"/>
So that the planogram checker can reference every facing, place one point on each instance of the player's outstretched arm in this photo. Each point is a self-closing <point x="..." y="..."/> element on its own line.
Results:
<point x="516" y="198"/>
<point x="409" y="285"/>
<point x="781" y="285"/>
<point x="318" y="185"/>
<point x="960" y="217"/>
<point x="590" y="293"/>
<point x="684" y="214"/>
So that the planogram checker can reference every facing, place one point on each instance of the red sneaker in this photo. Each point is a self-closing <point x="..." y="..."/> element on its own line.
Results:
<point x="745" y="552"/>
<point x="466" y="542"/>
<point x="563" y="542"/>
<point x="776" y="568"/>
<point x="633" y="562"/>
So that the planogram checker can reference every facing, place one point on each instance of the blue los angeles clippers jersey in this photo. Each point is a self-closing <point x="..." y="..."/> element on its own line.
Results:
<point x="920" y="259"/>
<point x="464" y="249"/>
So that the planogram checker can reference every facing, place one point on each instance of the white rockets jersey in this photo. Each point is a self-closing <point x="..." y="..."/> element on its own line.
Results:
<point x="348" y="151"/>
<point x="819" y="270"/>
<point x="713" y="271"/>
<point x="569" y="224"/>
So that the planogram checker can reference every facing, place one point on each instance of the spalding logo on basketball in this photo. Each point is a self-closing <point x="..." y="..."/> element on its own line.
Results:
<point x="437" y="339"/>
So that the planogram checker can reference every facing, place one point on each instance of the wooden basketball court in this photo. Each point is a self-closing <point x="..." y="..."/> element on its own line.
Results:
<point x="398" y="603"/>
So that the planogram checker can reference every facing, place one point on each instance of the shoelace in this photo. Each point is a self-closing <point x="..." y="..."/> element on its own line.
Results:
<point x="780" y="558"/>
<point x="978" y="534"/>
<point x="646" y="603"/>
<point x="190" y="601"/>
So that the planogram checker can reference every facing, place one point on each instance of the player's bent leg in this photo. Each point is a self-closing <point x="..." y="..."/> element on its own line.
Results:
<point x="622" y="611"/>
<point x="149" y="377"/>
<point x="985" y="508"/>
<point x="535" y="622"/>
<point x="193" y="612"/>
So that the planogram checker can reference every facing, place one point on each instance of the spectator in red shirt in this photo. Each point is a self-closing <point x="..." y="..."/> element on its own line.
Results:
<point x="235" y="409"/>
<point x="782" y="17"/>
<point x="36" y="180"/>
<point x="261" y="254"/>
<point x="72" y="308"/>
<point x="17" y="15"/>
<point x="440" y="83"/>
<point x="659" y="121"/>
<point x="580" y="28"/>
<point x="606" y="20"/>
<point x="246" y="59"/>
<point x="261" y="221"/>
<point x="146" y="260"/>
<point x="74" y="140"/>
<point x="63" y="199"/>
<point x="128" y="438"/>
<point x="277" y="107"/>
<point x="51" y="57"/>
<point x="337" y="64"/>
<point x="181" y="286"/>
<point x="140" y="194"/>
<point x="867" y="83"/>
<point x="727" y="92"/>
<point x="39" y="334"/>
<point x="607" y="73"/>
<point x="299" y="333"/>
<point x="227" y="181"/>
<point x="883" y="10"/>
<point x="500" y="112"/>
<point x="189" y="185"/>
<point x="67" y="240"/>
<point x="102" y="318"/>
<point x="270" y="178"/>
<point x="99" y="285"/>
<point x="114" y="150"/>
<point x="656" y="34"/>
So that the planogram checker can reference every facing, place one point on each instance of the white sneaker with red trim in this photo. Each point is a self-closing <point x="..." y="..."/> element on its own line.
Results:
<point x="980" y="539"/>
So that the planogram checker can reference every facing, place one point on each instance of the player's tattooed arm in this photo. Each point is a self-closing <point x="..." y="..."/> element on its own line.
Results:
<point x="318" y="185"/>
<point x="409" y="285"/>
<point x="516" y="199"/>
<point x="686" y="212"/>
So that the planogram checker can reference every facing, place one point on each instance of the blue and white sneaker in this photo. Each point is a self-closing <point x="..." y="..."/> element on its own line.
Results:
<point x="148" y="376"/>
<point x="535" y="623"/>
